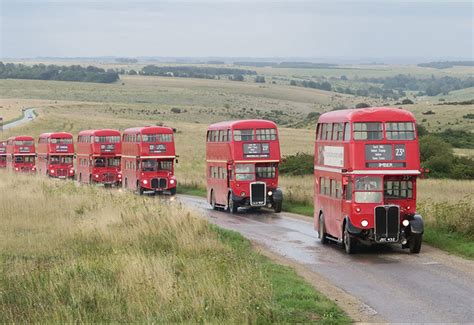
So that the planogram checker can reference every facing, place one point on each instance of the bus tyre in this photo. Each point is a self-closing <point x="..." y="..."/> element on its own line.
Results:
<point x="140" y="190"/>
<point x="232" y="206"/>
<point x="173" y="191"/>
<point x="277" y="207"/>
<point x="321" y="232"/>
<point x="415" y="243"/>
<point x="350" y="242"/>
<point x="213" y="201"/>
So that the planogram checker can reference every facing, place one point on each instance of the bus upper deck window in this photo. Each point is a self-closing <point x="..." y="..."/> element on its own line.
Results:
<point x="400" y="130"/>
<point x="243" y="135"/>
<point x="368" y="131"/>
<point x="266" y="134"/>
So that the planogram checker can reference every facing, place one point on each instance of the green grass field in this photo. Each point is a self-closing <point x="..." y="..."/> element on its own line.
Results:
<point x="85" y="254"/>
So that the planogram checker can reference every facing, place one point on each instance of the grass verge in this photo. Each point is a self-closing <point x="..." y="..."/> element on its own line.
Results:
<point x="87" y="254"/>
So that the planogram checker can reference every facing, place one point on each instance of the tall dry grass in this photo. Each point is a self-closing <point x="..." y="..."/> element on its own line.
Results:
<point x="82" y="254"/>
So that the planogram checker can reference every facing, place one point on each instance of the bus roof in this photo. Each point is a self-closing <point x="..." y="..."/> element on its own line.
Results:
<point x="149" y="130"/>
<point x="243" y="124"/>
<point x="21" y="138"/>
<point x="60" y="135"/>
<point x="369" y="114"/>
<point x="102" y="132"/>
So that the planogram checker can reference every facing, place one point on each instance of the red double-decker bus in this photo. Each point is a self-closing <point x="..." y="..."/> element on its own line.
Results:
<point x="366" y="165"/>
<point x="3" y="154"/>
<point x="242" y="165"/>
<point x="148" y="156"/>
<point x="21" y="154"/>
<point x="55" y="155"/>
<point x="98" y="157"/>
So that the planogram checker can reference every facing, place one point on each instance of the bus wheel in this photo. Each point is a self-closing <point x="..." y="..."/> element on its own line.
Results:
<point x="350" y="241"/>
<point x="80" y="178"/>
<point x="277" y="207"/>
<point x="173" y="191"/>
<point x="213" y="201"/>
<point x="140" y="190"/>
<point x="415" y="243"/>
<point x="231" y="204"/>
<point x="321" y="232"/>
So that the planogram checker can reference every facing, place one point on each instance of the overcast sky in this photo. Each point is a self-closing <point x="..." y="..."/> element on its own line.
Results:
<point x="231" y="28"/>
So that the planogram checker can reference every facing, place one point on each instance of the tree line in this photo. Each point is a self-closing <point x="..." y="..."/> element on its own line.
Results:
<point x="446" y="64"/>
<point x="193" y="72"/>
<point x="55" y="72"/>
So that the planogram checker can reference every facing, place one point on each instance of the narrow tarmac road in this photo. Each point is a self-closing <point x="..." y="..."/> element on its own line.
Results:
<point x="28" y="115"/>
<point x="391" y="284"/>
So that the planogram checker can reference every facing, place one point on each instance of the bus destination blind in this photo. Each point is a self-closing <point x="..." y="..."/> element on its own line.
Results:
<point x="383" y="155"/>
<point x="256" y="150"/>
<point x="157" y="148"/>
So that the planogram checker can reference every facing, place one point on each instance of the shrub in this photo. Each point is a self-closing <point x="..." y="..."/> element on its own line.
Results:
<point x="176" y="110"/>
<point x="298" y="164"/>
<point x="362" y="105"/>
<point x="407" y="102"/>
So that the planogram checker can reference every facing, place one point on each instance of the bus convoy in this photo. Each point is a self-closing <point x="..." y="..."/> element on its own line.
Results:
<point x="366" y="162"/>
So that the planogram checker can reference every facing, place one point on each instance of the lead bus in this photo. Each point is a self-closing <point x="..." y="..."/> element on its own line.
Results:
<point x="55" y="155"/>
<point x="98" y="157"/>
<point x="365" y="170"/>
<point x="148" y="155"/>
<point x="242" y="165"/>
<point x="21" y="154"/>
<point x="3" y="154"/>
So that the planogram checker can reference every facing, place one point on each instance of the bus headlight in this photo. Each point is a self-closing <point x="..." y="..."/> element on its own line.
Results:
<point x="270" y="193"/>
<point x="405" y="223"/>
<point x="145" y="182"/>
<point x="364" y="223"/>
<point x="172" y="181"/>
<point x="52" y="171"/>
<point x="71" y="171"/>
<point x="242" y="194"/>
<point x="96" y="175"/>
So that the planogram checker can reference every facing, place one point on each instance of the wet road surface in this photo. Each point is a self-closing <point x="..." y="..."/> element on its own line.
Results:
<point x="391" y="283"/>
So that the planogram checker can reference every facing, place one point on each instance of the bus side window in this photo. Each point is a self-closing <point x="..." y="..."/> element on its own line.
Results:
<point x="347" y="132"/>
<point x="348" y="191"/>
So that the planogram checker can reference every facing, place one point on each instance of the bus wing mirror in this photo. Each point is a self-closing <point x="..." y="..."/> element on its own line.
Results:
<point x="345" y="180"/>
<point x="176" y="160"/>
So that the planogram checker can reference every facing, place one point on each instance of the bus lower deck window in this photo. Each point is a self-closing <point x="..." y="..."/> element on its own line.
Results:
<point x="266" y="172"/>
<point x="397" y="189"/>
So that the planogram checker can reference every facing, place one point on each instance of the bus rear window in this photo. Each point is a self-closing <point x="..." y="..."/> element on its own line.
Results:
<point x="61" y="140"/>
<point x="23" y="143"/>
<point x="243" y="135"/>
<point x="156" y="138"/>
<point x="107" y="139"/>
<point x="400" y="131"/>
<point x="368" y="131"/>
<point x="266" y="134"/>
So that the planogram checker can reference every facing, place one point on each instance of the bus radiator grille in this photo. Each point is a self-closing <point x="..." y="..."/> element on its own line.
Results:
<point x="62" y="173"/>
<point x="257" y="194"/>
<point x="387" y="223"/>
<point x="109" y="178"/>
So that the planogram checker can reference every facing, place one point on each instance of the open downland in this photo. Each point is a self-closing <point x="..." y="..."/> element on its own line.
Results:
<point x="85" y="254"/>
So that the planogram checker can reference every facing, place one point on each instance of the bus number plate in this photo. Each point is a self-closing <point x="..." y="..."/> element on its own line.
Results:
<point x="157" y="148"/>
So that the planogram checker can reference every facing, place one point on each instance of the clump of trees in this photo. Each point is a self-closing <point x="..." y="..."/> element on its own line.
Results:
<point x="192" y="71"/>
<point x="446" y="64"/>
<point x="312" y="84"/>
<point x="260" y="79"/>
<point x="298" y="164"/>
<point x="55" y="72"/>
